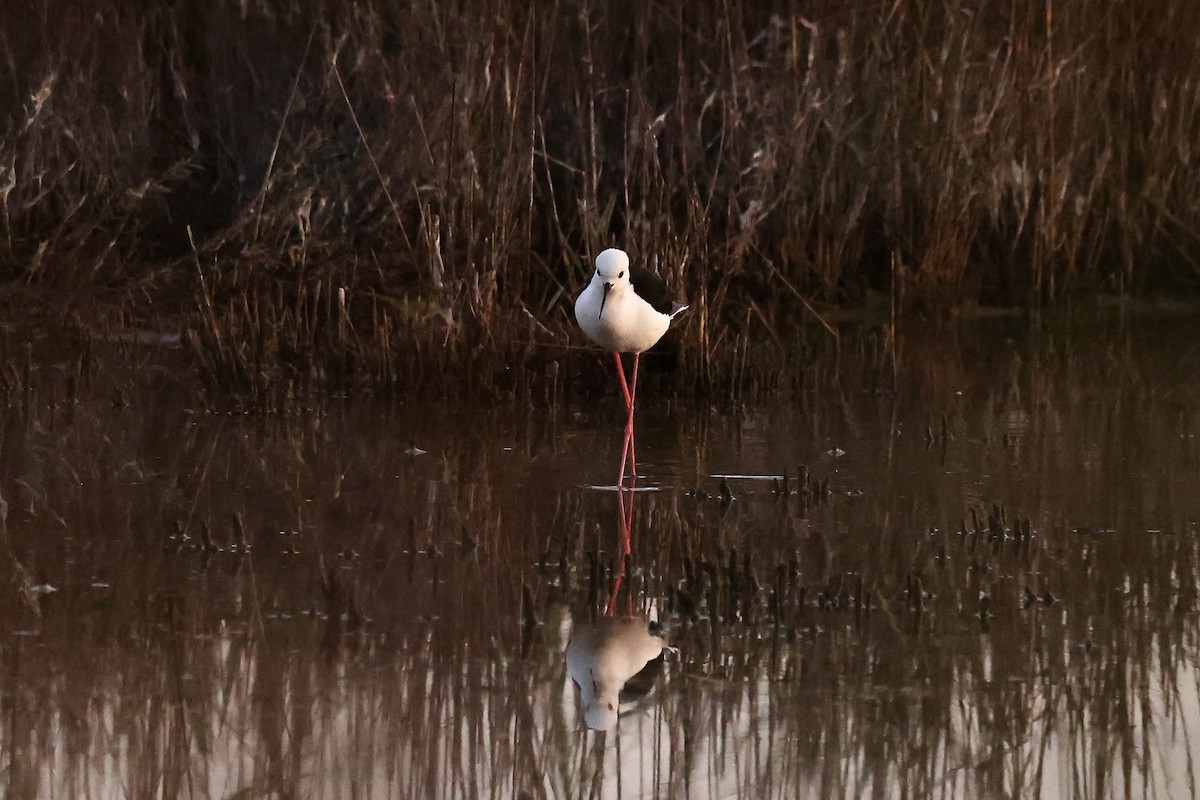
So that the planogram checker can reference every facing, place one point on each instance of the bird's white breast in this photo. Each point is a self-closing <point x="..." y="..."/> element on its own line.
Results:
<point x="627" y="323"/>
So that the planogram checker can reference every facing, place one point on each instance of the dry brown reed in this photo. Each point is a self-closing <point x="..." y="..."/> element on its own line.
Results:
<point x="375" y="193"/>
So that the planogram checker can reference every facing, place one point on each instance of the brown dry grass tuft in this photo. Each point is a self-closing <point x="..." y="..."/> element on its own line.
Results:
<point x="342" y="197"/>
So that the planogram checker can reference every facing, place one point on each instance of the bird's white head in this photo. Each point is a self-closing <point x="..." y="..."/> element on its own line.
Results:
<point x="612" y="268"/>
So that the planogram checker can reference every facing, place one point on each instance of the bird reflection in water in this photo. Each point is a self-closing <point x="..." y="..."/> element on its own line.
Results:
<point x="617" y="660"/>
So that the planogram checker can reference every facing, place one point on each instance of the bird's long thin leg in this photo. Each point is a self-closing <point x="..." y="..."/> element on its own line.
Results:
<point x="637" y="357"/>
<point x="631" y="448"/>
<point x="629" y="424"/>
<point x="624" y="386"/>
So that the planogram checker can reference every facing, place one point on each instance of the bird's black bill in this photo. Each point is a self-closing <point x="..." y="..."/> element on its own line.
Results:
<point x="603" y="297"/>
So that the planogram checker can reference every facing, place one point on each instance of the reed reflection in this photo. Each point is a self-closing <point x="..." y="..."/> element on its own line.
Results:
<point x="835" y="641"/>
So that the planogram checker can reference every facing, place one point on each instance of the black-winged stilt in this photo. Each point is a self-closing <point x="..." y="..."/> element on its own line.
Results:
<point x="625" y="309"/>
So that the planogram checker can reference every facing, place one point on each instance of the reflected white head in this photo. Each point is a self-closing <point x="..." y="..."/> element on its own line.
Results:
<point x="600" y="708"/>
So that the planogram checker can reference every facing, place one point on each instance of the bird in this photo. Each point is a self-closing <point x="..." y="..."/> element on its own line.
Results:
<point x="625" y="309"/>
<point x="603" y="658"/>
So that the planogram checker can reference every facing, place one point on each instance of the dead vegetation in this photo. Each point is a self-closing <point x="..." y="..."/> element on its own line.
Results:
<point x="362" y="196"/>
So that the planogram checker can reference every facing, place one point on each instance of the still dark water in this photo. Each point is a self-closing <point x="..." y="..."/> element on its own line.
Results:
<point x="978" y="580"/>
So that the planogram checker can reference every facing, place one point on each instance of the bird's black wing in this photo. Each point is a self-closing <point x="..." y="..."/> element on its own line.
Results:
<point x="651" y="288"/>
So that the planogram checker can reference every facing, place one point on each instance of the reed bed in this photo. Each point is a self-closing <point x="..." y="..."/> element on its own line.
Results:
<point x="342" y="198"/>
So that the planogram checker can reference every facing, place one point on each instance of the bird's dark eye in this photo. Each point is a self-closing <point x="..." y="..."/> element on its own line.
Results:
<point x="622" y="275"/>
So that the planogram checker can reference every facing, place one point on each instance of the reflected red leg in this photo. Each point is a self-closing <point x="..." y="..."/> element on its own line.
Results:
<point x="624" y="533"/>
<point x="627" y="544"/>
<point x="624" y="521"/>
<point x="616" y="589"/>
<point x="626" y="448"/>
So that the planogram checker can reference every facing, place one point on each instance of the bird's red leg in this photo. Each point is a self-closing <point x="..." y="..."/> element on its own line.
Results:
<point x="628" y="395"/>
<point x="631" y="448"/>
<point x="633" y="384"/>
<point x="624" y="386"/>
<point x="629" y="424"/>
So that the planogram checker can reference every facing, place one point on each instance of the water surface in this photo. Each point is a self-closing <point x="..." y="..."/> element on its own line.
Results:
<point x="978" y="579"/>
